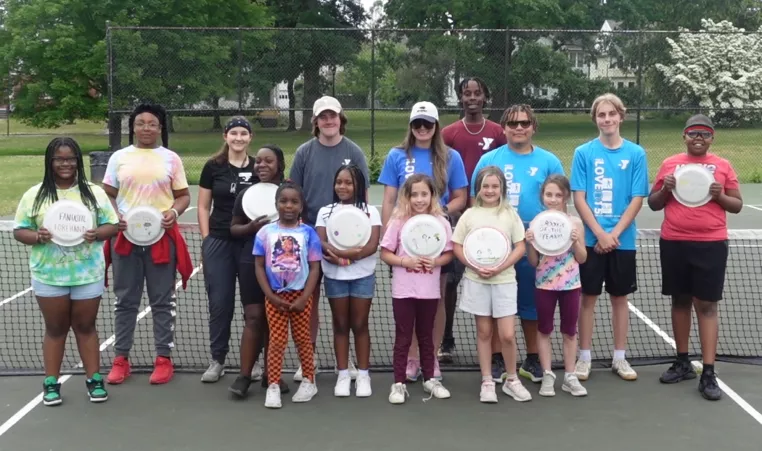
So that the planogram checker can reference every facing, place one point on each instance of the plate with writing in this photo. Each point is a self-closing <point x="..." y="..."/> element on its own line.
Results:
<point x="486" y="247"/>
<point x="423" y="236"/>
<point x="143" y="225"/>
<point x="692" y="183"/>
<point x="348" y="227"/>
<point x="552" y="232"/>
<point x="67" y="221"/>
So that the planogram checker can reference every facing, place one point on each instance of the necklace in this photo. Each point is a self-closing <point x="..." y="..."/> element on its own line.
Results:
<point x="484" y="124"/>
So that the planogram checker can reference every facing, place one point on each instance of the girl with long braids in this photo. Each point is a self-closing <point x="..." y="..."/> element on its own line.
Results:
<point x="147" y="173"/>
<point x="67" y="281"/>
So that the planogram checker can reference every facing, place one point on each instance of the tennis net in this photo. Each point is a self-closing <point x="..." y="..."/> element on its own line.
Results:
<point x="22" y="328"/>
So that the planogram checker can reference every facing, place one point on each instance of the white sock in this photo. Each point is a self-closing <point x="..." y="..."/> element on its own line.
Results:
<point x="511" y="377"/>
<point x="584" y="355"/>
<point x="343" y="373"/>
<point x="486" y="378"/>
<point x="363" y="372"/>
<point x="618" y="354"/>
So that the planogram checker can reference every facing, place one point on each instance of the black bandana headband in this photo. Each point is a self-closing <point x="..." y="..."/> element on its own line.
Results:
<point x="237" y="122"/>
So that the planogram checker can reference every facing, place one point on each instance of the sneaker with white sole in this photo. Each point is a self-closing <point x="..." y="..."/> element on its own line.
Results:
<point x="437" y="371"/>
<point x="215" y="371"/>
<point x="548" y="383"/>
<point x="572" y="385"/>
<point x="582" y="369"/>
<point x="435" y="389"/>
<point x="351" y="368"/>
<point x="299" y="375"/>
<point x="272" y="400"/>
<point x="413" y="370"/>
<point x="307" y="391"/>
<point x="257" y="372"/>
<point x="623" y="369"/>
<point x="362" y="386"/>
<point x="515" y="389"/>
<point x="398" y="393"/>
<point x="487" y="393"/>
<point x="343" y="386"/>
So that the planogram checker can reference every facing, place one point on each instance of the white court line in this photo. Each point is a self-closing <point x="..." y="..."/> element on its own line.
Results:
<point x="15" y="296"/>
<point x="38" y="399"/>
<point x="725" y="388"/>
<point x="753" y="206"/>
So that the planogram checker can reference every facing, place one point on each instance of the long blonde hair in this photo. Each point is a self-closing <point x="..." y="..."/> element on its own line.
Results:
<point x="440" y="155"/>
<point x="403" y="210"/>
<point x="504" y="204"/>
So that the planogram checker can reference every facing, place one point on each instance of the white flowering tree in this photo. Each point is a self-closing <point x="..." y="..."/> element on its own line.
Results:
<point x="720" y="68"/>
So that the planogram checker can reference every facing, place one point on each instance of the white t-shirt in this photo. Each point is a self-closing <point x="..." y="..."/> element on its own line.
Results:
<point x="360" y="268"/>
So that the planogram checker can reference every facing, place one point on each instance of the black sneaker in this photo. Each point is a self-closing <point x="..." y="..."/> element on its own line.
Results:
<point x="708" y="386"/>
<point x="240" y="386"/>
<point x="531" y="369"/>
<point x="498" y="368"/>
<point x="681" y="370"/>
<point x="445" y="351"/>
<point x="51" y="390"/>
<point x="96" y="389"/>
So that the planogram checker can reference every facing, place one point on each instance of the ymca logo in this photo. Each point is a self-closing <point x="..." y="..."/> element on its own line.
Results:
<point x="623" y="164"/>
<point x="245" y="176"/>
<point x="532" y="171"/>
<point x="347" y="161"/>
<point x="486" y="142"/>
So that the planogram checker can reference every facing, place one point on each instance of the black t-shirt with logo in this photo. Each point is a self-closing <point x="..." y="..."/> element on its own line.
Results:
<point x="226" y="182"/>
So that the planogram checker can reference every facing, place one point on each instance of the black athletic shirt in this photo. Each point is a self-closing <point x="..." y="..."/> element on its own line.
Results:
<point x="226" y="182"/>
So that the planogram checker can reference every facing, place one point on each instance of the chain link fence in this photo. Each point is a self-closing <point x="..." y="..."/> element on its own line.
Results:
<point x="272" y="76"/>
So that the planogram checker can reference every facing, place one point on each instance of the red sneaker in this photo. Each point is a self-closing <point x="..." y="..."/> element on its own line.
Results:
<point x="120" y="371"/>
<point x="163" y="370"/>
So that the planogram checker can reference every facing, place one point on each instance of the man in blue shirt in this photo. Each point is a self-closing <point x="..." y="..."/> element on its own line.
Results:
<point x="609" y="181"/>
<point x="526" y="167"/>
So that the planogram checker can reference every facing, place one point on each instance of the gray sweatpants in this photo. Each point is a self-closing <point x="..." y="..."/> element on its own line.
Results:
<point x="130" y="273"/>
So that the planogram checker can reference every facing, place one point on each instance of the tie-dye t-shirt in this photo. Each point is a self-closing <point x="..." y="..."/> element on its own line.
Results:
<point x="287" y="253"/>
<point x="65" y="266"/>
<point x="145" y="177"/>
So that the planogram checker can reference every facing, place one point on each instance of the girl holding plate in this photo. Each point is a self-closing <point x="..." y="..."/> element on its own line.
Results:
<point x="63" y="219"/>
<point x="349" y="231"/>
<point x="695" y="189"/>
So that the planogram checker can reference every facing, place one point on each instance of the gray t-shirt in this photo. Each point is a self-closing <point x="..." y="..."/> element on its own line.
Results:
<point x="314" y="168"/>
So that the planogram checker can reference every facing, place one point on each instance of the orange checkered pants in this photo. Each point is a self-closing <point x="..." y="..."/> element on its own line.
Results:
<point x="300" y="330"/>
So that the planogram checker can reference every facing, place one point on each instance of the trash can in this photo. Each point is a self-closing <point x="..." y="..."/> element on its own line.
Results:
<point x="98" y="163"/>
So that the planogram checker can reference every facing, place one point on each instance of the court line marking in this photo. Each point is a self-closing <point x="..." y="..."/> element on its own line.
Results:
<point x="753" y="206"/>
<point x="15" y="296"/>
<point x="725" y="388"/>
<point x="18" y="416"/>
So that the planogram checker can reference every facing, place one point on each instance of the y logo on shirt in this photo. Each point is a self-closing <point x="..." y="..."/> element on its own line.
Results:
<point x="347" y="161"/>
<point x="603" y="190"/>
<point x="712" y="168"/>
<point x="486" y="142"/>
<point x="623" y="164"/>
<point x="514" y="189"/>
<point x="533" y="171"/>
<point x="409" y="167"/>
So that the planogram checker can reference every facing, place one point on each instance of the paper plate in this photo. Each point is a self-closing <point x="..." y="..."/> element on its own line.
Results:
<point x="552" y="232"/>
<point x="692" y="183"/>
<point x="143" y="225"/>
<point x="67" y="221"/>
<point x="348" y="227"/>
<point x="259" y="200"/>
<point x="423" y="236"/>
<point x="486" y="247"/>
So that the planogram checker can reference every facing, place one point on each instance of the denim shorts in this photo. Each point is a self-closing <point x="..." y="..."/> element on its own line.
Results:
<point x="75" y="293"/>
<point x="363" y="288"/>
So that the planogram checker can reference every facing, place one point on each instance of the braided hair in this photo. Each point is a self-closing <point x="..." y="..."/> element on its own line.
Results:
<point x="47" y="191"/>
<point x="156" y="110"/>
<point x="358" y="182"/>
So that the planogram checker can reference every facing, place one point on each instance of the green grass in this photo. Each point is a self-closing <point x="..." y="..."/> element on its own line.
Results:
<point x="21" y="155"/>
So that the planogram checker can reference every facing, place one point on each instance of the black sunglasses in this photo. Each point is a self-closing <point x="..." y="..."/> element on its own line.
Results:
<point x="515" y="124"/>
<point x="693" y="134"/>
<point x="418" y="123"/>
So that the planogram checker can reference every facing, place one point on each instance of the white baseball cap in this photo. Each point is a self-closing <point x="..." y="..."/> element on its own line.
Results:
<point x="424" y="110"/>
<point x="326" y="103"/>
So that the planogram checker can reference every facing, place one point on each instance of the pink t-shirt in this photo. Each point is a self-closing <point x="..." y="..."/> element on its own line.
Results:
<point x="408" y="283"/>
<point x="472" y="143"/>
<point x="705" y="223"/>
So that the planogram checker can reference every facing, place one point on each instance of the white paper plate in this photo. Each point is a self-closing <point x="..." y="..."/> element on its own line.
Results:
<point x="692" y="183"/>
<point x="552" y="232"/>
<point x="259" y="200"/>
<point x="423" y="236"/>
<point x="67" y="221"/>
<point x="143" y="225"/>
<point x="486" y="247"/>
<point x="348" y="227"/>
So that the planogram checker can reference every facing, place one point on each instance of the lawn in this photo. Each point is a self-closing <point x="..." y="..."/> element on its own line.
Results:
<point x="21" y="155"/>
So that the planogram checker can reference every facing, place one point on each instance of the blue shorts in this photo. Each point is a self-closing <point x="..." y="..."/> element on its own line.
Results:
<point x="75" y="293"/>
<point x="363" y="288"/>
<point x="525" y="277"/>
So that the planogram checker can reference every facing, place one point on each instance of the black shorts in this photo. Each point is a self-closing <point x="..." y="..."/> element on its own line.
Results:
<point x="248" y="287"/>
<point x="618" y="269"/>
<point x="693" y="268"/>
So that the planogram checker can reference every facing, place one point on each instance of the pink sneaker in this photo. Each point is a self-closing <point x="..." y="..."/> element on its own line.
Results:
<point x="413" y="369"/>
<point x="437" y="371"/>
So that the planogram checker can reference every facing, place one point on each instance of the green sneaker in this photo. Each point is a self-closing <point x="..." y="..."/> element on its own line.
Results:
<point x="51" y="391"/>
<point x="96" y="389"/>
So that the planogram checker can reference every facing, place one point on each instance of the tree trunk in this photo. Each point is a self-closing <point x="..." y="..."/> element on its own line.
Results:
<point x="311" y="93"/>
<point x="217" y="123"/>
<point x="291" y="106"/>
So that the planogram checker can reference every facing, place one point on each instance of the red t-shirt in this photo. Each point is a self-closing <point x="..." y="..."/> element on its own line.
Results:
<point x="705" y="223"/>
<point x="472" y="147"/>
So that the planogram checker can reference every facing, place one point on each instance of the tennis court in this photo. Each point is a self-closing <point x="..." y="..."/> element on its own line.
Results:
<point x="616" y="414"/>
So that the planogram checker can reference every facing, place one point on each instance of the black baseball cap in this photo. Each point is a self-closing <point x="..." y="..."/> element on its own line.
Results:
<point x="698" y="120"/>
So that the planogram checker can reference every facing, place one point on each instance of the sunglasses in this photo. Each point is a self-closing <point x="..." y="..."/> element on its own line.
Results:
<point x="418" y="123"/>
<point x="693" y="134"/>
<point x="515" y="124"/>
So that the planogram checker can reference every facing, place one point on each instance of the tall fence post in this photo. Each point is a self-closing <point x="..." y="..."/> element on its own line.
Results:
<point x="240" y="70"/>
<point x="373" y="91"/>
<point x="641" y="62"/>
<point x="8" y="105"/>
<point x="507" y="69"/>
<point x="114" y="119"/>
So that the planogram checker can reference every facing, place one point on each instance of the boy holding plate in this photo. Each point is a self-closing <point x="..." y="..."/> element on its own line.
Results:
<point x="694" y="250"/>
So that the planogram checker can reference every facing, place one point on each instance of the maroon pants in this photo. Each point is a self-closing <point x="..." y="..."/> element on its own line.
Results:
<point x="414" y="315"/>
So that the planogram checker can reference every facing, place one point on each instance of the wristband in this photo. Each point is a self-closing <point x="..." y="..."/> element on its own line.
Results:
<point x="177" y="215"/>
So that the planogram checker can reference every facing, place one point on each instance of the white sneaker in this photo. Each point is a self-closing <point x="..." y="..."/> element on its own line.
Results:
<point x="307" y="391"/>
<point x="343" y="386"/>
<point x="362" y="386"/>
<point x="215" y="371"/>
<point x="515" y="389"/>
<point x="548" y="382"/>
<point x="435" y="389"/>
<point x="487" y="393"/>
<point x="398" y="393"/>
<point x="572" y="385"/>
<point x="298" y="376"/>
<point x="257" y="372"/>
<point x="582" y="369"/>
<point x="272" y="401"/>
<point x="623" y="369"/>
<point x="353" y="373"/>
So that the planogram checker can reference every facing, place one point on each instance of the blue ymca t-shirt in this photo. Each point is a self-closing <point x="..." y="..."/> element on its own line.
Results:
<point x="398" y="167"/>
<point x="610" y="180"/>
<point x="524" y="174"/>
